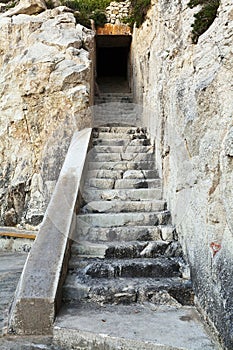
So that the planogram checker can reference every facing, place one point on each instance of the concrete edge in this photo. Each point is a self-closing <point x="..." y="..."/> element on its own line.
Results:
<point x="38" y="294"/>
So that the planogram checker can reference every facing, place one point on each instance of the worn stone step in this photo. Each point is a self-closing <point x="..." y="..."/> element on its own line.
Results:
<point x="137" y="183"/>
<point x="140" y="194"/>
<point x="122" y="250"/>
<point x="116" y="206"/>
<point x="159" y="291"/>
<point x="121" y="165"/>
<point x="121" y="174"/>
<point x="124" y="219"/>
<point x="117" y="157"/>
<point x="121" y="129"/>
<point x="111" y="95"/>
<point x="135" y="268"/>
<point x="124" y="149"/>
<point x="118" y="136"/>
<point x="132" y="327"/>
<point x="116" y="108"/>
<point x="123" y="183"/>
<point x="126" y="233"/>
<point x="112" y="99"/>
<point x="119" y="142"/>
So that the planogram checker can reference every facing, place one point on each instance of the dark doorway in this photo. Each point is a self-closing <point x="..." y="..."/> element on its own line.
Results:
<point x="112" y="61"/>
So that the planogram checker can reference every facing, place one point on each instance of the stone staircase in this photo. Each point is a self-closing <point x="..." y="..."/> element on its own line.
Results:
<point x="112" y="107"/>
<point x="127" y="279"/>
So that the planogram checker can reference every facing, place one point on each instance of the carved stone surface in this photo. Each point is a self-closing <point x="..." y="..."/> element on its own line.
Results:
<point x="187" y="94"/>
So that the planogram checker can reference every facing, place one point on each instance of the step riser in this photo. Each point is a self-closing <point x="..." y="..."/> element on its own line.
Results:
<point x="180" y="293"/>
<point x="123" y="184"/>
<point x="124" y="250"/>
<point x="124" y="219"/>
<point x="104" y="234"/>
<point x="115" y="142"/>
<point x="120" y="129"/>
<point x="121" y="165"/>
<point x="122" y="149"/>
<point x="123" y="206"/>
<point x="128" y="174"/>
<point x="159" y="268"/>
<point x="118" y="136"/>
<point x="115" y="157"/>
<point x="130" y="194"/>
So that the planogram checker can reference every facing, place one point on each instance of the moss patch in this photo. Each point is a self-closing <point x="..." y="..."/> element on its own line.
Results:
<point x="204" y="18"/>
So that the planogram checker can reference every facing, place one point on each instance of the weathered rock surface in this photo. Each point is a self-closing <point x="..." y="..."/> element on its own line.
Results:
<point x="187" y="94"/>
<point x="27" y="7"/>
<point x="46" y="87"/>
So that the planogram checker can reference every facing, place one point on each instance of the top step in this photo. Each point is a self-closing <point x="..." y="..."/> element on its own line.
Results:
<point x="110" y="97"/>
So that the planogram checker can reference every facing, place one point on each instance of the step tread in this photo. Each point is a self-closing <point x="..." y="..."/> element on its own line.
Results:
<point x="115" y="206"/>
<point x="123" y="219"/>
<point x="132" y="327"/>
<point x="129" y="233"/>
<point x="119" y="174"/>
<point x="129" y="249"/>
<point x="134" y="268"/>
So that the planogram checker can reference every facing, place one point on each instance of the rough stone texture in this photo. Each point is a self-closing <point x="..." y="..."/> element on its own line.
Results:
<point x="46" y="87"/>
<point x="187" y="94"/>
<point x="28" y="7"/>
<point x="116" y="12"/>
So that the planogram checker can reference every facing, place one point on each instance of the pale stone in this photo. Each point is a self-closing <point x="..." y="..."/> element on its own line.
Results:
<point x="187" y="94"/>
<point x="27" y="7"/>
<point x="45" y="89"/>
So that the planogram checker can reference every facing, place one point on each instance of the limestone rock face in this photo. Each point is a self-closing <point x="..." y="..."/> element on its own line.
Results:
<point x="45" y="89"/>
<point x="28" y="7"/>
<point x="187" y="94"/>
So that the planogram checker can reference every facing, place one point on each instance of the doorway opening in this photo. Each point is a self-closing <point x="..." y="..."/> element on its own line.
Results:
<point x="113" y="63"/>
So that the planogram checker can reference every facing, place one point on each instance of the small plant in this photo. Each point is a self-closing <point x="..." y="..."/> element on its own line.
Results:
<point x="139" y="10"/>
<point x="204" y="18"/>
<point x="95" y="10"/>
<point x="89" y="9"/>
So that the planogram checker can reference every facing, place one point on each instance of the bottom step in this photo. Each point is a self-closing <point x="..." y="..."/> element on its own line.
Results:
<point x="141" y="327"/>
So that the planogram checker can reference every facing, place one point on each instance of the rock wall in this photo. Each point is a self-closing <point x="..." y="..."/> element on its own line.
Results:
<point x="45" y="88"/>
<point x="187" y="94"/>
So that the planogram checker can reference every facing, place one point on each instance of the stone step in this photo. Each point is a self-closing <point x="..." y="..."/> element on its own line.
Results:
<point x="127" y="233"/>
<point x="122" y="183"/>
<point x="121" y="142"/>
<point x="137" y="183"/>
<point x="140" y="194"/>
<point x="169" y="291"/>
<point x="121" y="129"/>
<point x="124" y="219"/>
<point x="110" y="108"/>
<point x="132" y="327"/>
<point x="116" y="206"/>
<point x="121" y="165"/>
<point x="118" y="157"/>
<point x="106" y="98"/>
<point x="124" y="149"/>
<point x="122" y="250"/>
<point x="110" y="99"/>
<point x="135" y="268"/>
<point x="119" y="136"/>
<point x="121" y="174"/>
